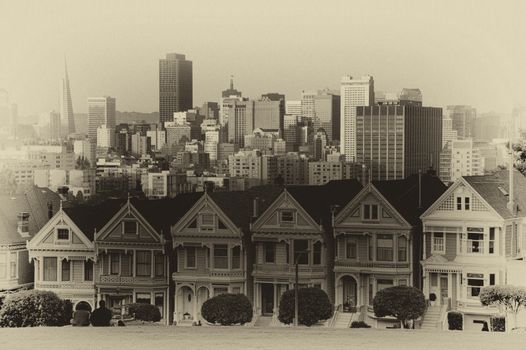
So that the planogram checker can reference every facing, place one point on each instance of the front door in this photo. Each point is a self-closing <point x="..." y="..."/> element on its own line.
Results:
<point x="188" y="300"/>
<point x="443" y="289"/>
<point x="267" y="299"/>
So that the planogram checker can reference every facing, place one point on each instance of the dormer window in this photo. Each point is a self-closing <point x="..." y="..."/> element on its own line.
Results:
<point x="130" y="227"/>
<point x="23" y="224"/>
<point x="207" y="222"/>
<point x="370" y="211"/>
<point x="463" y="203"/>
<point x="62" y="234"/>
<point x="287" y="217"/>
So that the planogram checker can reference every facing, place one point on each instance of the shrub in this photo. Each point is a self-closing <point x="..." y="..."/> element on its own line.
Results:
<point x="145" y="312"/>
<point x="498" y="324"/>
<point x="511" y="298"/>
<point x="32" y="308"/>
<point x="454" y="320"/>
<point x="67" y="308"/>
<point x="403" y="302"/>
<point x="359" y="324"/>
<point x="227" y="309"/>
<point x="313" y="303"/>
<point x="432" y="297"/>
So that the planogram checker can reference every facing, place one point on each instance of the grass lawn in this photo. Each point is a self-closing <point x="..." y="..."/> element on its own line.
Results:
<point x="147" y="337"/>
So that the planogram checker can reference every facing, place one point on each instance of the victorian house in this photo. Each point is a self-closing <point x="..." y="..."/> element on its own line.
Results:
<point x="472" y="233"/>
<point x="377" y="238"/>
<point x="22" y="215"/>
<point x="213" y="250"/>
<point x="296" y="229"/>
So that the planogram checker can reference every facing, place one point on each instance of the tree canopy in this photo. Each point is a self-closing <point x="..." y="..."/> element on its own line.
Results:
<point x="402" y="302"/>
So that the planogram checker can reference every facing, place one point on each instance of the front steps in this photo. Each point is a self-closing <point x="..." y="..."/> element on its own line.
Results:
<point x="431" y="318"/>
<point x="343" y="320"/>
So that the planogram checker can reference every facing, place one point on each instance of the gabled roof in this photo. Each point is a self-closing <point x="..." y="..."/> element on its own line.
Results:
<point x="318" y="200"/>
<point x="35" y="202"/>
<point x="404" y="194"/>
<point x="494" y="189"/>
<point x="89" y="218"/>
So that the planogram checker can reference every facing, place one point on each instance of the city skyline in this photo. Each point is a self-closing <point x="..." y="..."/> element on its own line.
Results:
<point x="482" y="68"/>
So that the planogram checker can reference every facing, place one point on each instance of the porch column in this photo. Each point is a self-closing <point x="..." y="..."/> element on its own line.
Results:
<point x="134" y="265"/>
<point x="152" y="262"/>
<point x="460" y="290"/>
<point x="175" y="305"/>
<point x="195" y="304"/>
<point x="449" y="286"/>
<point x="275" y="301"/>
<point x="59" y="269"/>
<point x="40" y="268"/>
<point x="426" y="276"/>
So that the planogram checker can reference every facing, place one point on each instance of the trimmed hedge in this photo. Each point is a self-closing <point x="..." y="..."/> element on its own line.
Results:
<point x="31" y="308"/>
<point x="314" y="306"/>
<point x="403" y="302"/>
<point x="227" y="309"/>
<point x="145" y="312"/>
<point x="359" y="324"/>
<point x="498" y="324"/>
<point x="454" y="320"/>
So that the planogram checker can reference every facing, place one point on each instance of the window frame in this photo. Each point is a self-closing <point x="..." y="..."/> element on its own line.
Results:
<point x="292" y="220"/>
<point x="88" y="271"/>
<point x="348" y="243"/>
<point x="384" y="237"/>
<point x="57" y="236"/>
<point x="221" y="247"/>
<point x="62" y="274"/>
<point x="186" y="258"/>
<point x="142" y="264"/>
<point x="236" y="266"/>
<point x="207" y="227"/>
<point x="434" y="246"/>
<point x="402" y="238"/>
<point x="266" y="250"/>
<point x="127" y="222"/>
<point x="368" y="208"/>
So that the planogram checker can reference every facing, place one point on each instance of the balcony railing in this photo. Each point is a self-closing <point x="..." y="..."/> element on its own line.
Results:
<point x="285" y="268"/>
<point x="372" y="264"/>
<point x="473" y="246"/>
<point x="211" y="273"/>
<point x="64" y="285"/>
<point x="125" y="280"/>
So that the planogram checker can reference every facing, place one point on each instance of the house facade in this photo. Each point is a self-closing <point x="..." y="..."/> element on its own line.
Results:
<point x="22" y="215"/>
<point x="470" y="235"/>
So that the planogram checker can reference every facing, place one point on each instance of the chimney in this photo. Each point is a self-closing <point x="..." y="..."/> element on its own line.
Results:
<point x="255" y="207"/>
<point x="23" y="224"/>
<point x="49" y="210"/>
<point x="419" y="188"/>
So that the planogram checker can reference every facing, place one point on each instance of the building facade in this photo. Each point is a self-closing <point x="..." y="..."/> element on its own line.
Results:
<point x="175" y="86"/>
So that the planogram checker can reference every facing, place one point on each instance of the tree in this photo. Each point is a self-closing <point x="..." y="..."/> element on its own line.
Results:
<point x="227" y="309"/>
<point x="402" y="302"/>
<point x="511" y="298"/>
<point x="313" y="303"/>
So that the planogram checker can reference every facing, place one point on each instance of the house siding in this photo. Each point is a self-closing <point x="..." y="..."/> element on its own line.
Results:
<point x="451" y="246"/>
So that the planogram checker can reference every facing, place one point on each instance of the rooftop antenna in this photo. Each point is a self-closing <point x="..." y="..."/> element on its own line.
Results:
<point x="231" y="82"/>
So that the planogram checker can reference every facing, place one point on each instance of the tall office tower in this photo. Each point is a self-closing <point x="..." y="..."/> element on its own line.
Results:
<point x="448" y="134"/>
<point x="319" y="143"/>
<point x="54" y="125"/>
<point x="460" y="158"/>
<point x="228" y="96"/>
<point x="397" y="141"/>
<point x="272" y="96"/>
<point x="462" y="117"/>
<point x="66" y="106"/>
<point x="307" y="103"/>
<point x="293" y="107"/>
<point x="410" y="97"/>
<point x="210" y="110"/>
<point x="353" y="92"/>
<point x="267" y="114"/>
<point x="241" y="121"/>
<point x="101" y="111"/>
<point x="327" y="114"/>
<point x="175" y="86"/>
<point x="486" y="127"/>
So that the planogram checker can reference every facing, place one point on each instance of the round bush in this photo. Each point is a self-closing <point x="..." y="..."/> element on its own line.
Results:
<point x="454" y="320"/>
<point x="359" y="324"/>
<point x="145" y="312"/>
<point x="498" y="324"/>
<point x="313" y="306"/>
<point x="31" y="308"/>
<point x="227" y="309"/>
<point x="403" y="302"/>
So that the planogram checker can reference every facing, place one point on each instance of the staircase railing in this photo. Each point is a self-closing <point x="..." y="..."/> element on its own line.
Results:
<point x="337" y="310"/>
<point x="442" y="321"/>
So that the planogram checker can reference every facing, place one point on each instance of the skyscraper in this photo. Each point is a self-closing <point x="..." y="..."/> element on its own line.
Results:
<point x="54" y="125"/>
<point x="175" y="86"/>
<point x="66" y="106"/>
<point x="228" y="96"/>
<point x="241" y="121"/>
<point x="327" y="114"/>
<point x="353" y="92"/>
<point x="397" y="141"/>
<point x="101" y="111"/>
<point x="462" y="118"/>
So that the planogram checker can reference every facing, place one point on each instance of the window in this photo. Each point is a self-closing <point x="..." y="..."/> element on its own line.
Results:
<point x="50" y="269"/>
<point x="491" y="279"/>
<point x="13" y="265"/>
<point x="66" y="270"/>
<point x="207" y="222"/>
<point x="220" y="290"/>
<point x="143" y="298"/>
<point x="115" y="263"/>
<point x="63" y="234"/>
<point x="159" y="265"/>
<point x="459" y="203"/>
<point x="383" y="283"/>
<point x="384" y="247"/>
<point x="475" y="241"/>
<point x="270" y="252"/>
<point x="316" y="253"/>
<point x="402" y="248"/>
<point x="130" y="227"/>
<point x="402" y="282"/>
<point x="475" y="283"/>
<point x="351" y="250"/>
<point x="491" y="247"/>
<point x="300" y="251"/>
<point x="220" y="256"/>
<point x="466" y="203"/>
<point x="126" y="264"/>
<point x="236" y="257"/>
<point x="370" y="212"/>
<point x="88" y="270"/>
<point x="370" y="248"/>
<point x="190" y="257"/>
<point x="438" y="242"/>
<point x="287" y="217"/>
<point x="287" y="252"/>
<point x="144" y="263"/>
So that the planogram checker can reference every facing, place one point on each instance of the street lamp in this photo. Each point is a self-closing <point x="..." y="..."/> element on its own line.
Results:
<point x="296" y="282"/>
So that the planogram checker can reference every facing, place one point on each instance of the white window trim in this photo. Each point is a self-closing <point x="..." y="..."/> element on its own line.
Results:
<point x="136" y="227"/>
<point x="186" y="259"/>
<point x="63" y="241"/>
<point x="433" y="250"/>
<point x="294" y="217"/>
<point x="370" y="212"/>
<point x="207" y="228"/>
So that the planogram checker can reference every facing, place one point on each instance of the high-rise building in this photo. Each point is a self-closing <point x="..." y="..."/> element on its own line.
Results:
<point x="327" y="114"/>
<point x="241" y="121"/>
<point x="462" y="118"/>
<point x="177" y="133"/>
<point x="448" y="134"/>
<point x="210" y="110"/>
<point x="228" y="97"/>
<point x="460" y="158"/>
<point x="66" y="105"/>
<point x="486" y="127"/>
<point x="54" y="125"/>
<point x="268" y="114"/>
<point x="293" y="107"/>
<point x="395" y="142"/>
<point x="175" y="86"/>
<point x="105" y="137"/>
<point x="353" y="93"/>
<point x="101" y="111"/>
<point x="276" y="97"/>
<point x="410" y="97"/>
<point x="307" y="103"/>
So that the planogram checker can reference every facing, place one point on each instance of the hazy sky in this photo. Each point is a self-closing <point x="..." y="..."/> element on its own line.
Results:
<point x="457" y="52"/>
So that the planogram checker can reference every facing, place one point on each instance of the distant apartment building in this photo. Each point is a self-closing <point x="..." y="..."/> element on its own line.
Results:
<point x="55" y="126"/>
<point x="101" y="111"/>
<point x="175" y="86"/>
<point x="157" y="138"/>
<point x="353" y="92"/>
<point x="397" y="141"/>
<point x="288" y="169"/>
<point x="245" y="164"/>
<point x="323" y="172"/>
<point x="486" y="127"/>
<point x="462" y="119"/>
<point x="176" y="133"/>
<point x="105" y="137"/>
<point x="293" y="107"/>
<point x="140" y="145"/>
<point x="162" y="184"/>
<point x="460" y="158"/>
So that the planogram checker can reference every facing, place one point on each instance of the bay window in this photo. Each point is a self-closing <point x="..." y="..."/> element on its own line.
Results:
<point x="220" y="256"/>
<point x="143" y="260"/>
<point x="236" y="257"/>
<point x="475" y="284"/>
<point x="66" y="270"/>
<point x="402" y="248"/>
<point x="384" y="247"/>
<point x="50" y="268"/>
